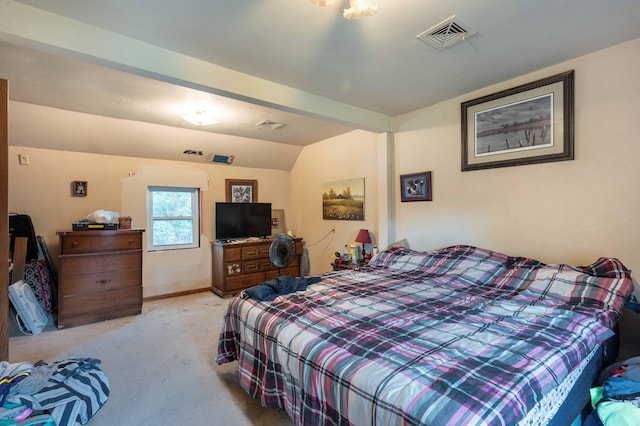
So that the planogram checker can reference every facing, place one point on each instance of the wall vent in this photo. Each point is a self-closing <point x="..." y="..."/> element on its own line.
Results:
<point x="448" y="32"/>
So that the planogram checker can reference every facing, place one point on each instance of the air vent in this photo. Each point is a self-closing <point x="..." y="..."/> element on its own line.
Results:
<point x="447" y="33"/>
<point x="226" y="159"/>
<point x="267" y="123"/>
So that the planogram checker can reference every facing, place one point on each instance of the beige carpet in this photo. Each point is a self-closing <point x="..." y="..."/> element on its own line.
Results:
<point x="160" y="364"/>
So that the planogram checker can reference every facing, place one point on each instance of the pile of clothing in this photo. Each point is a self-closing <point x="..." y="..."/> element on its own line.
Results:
<point x="68" y="392"/>
<point x="617" y="401"/>
<point x="283" y="284"/>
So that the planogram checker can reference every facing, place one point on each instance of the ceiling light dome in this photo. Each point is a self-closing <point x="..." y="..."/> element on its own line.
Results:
<point x="360" y="9"/>
<point x="322" y="3"/>
<point x="200" y="117"/>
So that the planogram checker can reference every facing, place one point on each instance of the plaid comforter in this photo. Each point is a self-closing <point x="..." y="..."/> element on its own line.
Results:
<point x="460" y="335"/>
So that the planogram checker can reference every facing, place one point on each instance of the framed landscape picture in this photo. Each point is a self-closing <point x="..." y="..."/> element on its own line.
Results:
<point x="343" y="200"/>
<point x="528" y="124"/>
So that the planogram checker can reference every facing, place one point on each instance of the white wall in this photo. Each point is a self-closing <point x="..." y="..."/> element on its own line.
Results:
<point x="348" y="156"/>
<point x="42" y="190"/>
<point x="564" y="212"/>
<point x="572" y="211"/>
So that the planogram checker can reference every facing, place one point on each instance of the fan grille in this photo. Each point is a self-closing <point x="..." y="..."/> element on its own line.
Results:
<point x="282" y="250"/>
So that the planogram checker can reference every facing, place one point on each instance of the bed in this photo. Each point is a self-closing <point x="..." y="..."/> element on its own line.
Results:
<point x="460" y="335"/>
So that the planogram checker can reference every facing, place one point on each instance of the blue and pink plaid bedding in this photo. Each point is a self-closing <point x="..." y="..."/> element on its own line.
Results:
<point x="460" y="335"/>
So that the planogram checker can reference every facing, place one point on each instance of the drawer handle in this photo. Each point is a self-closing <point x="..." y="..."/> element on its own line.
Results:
<point x="130" y="242"/>
<point x="103" y="281"/>
<point x="74" y="244"/>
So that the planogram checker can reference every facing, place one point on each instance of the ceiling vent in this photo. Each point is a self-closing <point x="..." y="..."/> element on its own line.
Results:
<point x="267" y="123"/>
<point x="447" y="33"/>
<point x="225" y="159"/>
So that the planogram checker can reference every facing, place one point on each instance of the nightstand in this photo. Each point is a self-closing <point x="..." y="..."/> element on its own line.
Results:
<point x="349" y="265"/>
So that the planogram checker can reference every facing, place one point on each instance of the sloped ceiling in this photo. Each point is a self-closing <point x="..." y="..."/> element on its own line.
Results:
<point x="130" y="67"/>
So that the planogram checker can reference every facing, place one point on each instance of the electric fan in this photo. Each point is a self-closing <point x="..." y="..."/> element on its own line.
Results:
<point x="282" y="251"/>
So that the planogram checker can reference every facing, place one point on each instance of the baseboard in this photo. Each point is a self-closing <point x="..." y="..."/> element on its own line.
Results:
<point x="178" y="294"/>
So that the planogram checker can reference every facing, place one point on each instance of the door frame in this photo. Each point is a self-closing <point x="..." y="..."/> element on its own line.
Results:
<point x="4" y="218"/>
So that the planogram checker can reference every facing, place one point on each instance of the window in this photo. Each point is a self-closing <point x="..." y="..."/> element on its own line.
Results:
<point x="174" y="218"/>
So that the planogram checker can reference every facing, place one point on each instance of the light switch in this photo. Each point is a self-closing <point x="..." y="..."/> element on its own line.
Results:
<point x="23" y="159"/>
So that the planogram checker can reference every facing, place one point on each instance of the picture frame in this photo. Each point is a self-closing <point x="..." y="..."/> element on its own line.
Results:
<point x="278" y="225"/>
<point x="241" y="190"/>
<point x="528" y="124"/>
<point x="79" y="188"/>
<point x="416" y="187"/>
<point x="343" y="199"/>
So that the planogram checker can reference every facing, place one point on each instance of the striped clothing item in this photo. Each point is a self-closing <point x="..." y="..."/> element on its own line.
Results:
<point x="73" y="394"/>
<point x="11" y="375"/>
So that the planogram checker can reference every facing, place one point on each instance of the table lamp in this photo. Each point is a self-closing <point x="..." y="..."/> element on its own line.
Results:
<point x="364" y="238"/>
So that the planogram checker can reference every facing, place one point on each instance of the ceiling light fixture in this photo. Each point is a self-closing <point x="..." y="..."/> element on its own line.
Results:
<point x="322" y="3"/>
<point x="359" y="9"/>
<point x="200" y="117"/>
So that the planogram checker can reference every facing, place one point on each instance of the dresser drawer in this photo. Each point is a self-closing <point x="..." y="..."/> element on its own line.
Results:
<point x="255" y="252"/>
<point x="90" y="263"/>
<point x="86" y="308"/>
<point x="291" y="271"/>
<point x="232" y="268"/>
<point x="295" y="262"/>
<point x="96" y="241"/>
<point x="100" y="281"/>
<point x="233" y="254"/>
<point x="244" y="281"/>
<point x="256" y="266"/>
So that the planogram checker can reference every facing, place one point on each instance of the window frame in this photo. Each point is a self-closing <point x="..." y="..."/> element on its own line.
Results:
<point x="195" y="218"/>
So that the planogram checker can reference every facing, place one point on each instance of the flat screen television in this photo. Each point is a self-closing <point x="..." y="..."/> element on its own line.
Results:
<point x="242" y="220"/>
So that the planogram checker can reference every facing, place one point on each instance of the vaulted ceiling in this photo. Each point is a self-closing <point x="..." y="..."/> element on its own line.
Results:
<point x="129" y="66"/>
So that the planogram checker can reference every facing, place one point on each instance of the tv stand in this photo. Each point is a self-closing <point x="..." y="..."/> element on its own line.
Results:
<point x="239" y="265"/>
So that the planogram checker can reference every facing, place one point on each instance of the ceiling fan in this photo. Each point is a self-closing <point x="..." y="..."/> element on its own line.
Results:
<point x="358" y="8"/>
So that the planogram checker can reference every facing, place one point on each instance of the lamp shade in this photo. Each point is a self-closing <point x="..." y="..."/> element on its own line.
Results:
<point x="363" y="237"/>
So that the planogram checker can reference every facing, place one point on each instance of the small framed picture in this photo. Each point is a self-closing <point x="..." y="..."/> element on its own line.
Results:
<point x="79" y="188"/>
<point x="241" y="191"/>
<point x="416" y="187"/>
<point x="277" y="222"/>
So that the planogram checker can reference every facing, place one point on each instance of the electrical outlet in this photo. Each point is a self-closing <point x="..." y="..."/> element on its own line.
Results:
<point x="23" y="159"/>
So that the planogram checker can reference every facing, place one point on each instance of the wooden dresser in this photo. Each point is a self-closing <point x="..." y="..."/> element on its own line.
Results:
<point x="100" y="275"/>
<point x="236" y="266"/>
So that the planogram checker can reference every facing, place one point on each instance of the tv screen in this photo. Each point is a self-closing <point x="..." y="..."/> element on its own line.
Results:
<point x="242" y="220"/>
